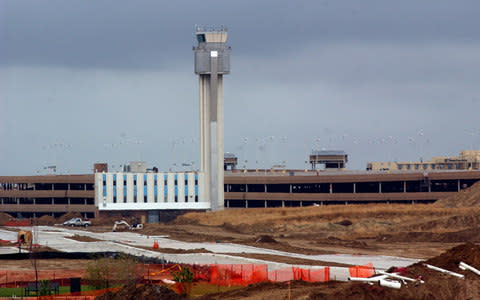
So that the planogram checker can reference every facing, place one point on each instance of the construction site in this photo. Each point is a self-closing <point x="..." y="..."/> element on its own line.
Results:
<point x="316" y="252"/>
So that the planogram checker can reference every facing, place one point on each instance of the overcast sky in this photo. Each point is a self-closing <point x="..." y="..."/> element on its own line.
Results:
<point x="112" y="81"/>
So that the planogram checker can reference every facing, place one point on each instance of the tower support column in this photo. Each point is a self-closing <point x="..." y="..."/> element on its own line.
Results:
<point x="212" y="61"/>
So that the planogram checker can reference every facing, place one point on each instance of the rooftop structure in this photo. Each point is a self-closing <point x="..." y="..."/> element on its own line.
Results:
<point x="332" y="159"/>
<point x="230" y="161"/>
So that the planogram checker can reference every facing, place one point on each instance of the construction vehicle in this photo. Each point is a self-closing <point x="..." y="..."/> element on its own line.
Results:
<point x="119" y="225"/>
<point x="24" y="238"/>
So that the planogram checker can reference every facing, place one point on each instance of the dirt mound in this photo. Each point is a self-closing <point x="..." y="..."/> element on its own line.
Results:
<point x="278" y="290"/>
<point x="441" y="289"/>
<point x="68" y="216"/>
<point x="265" y="239"/>
<point x="465" y="198"/>
<point x="345" y="223"/>
<point x="470" y="235"/>
<point x="46" y="220"/>
<point x="5" y="218"/>
<point x="468" y="253"/>
<point x="142" y="292"/>
<point x="109" y="220"/>
<point x="437" y="285"/>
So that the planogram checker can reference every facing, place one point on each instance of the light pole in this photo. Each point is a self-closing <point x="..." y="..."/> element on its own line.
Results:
<point x="245" y="141"/>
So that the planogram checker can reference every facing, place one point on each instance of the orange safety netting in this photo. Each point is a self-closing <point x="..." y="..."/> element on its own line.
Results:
<point x="364" y="271"/>
<point x="294" y="273"/>
<point x="18" y="223"/>
<point x="238" y="274"/>
<point x="247" y="274"/>
<point x="223" y="274"/>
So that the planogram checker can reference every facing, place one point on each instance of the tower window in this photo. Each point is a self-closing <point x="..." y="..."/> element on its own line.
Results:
<point x="201" y="38"/>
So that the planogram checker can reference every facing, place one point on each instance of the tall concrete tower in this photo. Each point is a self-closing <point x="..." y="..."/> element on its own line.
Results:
<point x="212" y="61"/>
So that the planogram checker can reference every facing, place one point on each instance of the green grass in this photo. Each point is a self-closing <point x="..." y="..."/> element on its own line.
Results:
<point x="9" y="292"/>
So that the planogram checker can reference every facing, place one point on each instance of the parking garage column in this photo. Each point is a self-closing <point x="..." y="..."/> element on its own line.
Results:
<point x="380" y="187"/>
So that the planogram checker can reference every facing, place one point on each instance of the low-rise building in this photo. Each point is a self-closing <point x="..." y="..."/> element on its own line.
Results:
<point x="467" y="160"/>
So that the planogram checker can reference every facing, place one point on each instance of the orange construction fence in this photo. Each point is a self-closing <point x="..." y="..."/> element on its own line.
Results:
<point x="294" y="273"/>
<point x="18" y="223"/>
<point x="364" y="271"/>
<point x="248" y="274"/>
<point x="219" y="274"/>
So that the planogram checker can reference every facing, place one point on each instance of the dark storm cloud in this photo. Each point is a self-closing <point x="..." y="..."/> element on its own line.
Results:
<point x="362" y="76"/>
<point x="156" y="34"/>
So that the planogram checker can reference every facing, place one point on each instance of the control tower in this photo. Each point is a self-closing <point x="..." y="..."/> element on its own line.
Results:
<point x="212" y="61"/>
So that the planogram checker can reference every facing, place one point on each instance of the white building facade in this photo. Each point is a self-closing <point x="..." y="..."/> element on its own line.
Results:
<point x="122" y="191"/>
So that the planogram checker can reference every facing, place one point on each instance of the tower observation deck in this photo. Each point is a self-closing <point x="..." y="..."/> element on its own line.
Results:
<point x="212" y="61"/>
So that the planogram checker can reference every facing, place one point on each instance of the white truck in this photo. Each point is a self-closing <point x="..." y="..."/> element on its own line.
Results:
<point x="77" y="222"/>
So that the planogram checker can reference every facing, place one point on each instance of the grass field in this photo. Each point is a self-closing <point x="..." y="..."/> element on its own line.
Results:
<point x="20" y="291"/>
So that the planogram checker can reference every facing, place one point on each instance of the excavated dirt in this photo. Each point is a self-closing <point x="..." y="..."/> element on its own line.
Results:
<point x="46" y="220"/>
<point x="141" y="292"/>
<point x="465" y="198"/>
<point x="68" y="216"/>
<point x="82" y="238"/>
<point x="468" y="253"/>
<point x="5" y="218"/>
<point x="265" y="239"/>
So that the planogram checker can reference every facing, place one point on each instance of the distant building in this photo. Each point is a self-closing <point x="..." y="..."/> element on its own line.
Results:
<point x="332" y="159"/>
<point x="230" y="161"/>
<point x="467" y="160"/>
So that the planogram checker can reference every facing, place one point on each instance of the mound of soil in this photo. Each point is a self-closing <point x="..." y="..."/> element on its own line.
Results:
<point x="142" y="292"/>
<point x="470" y="235"/>
<point x="109" y="220"/>
<point x="345" y="223"/>
<point x="5" y="218"/>
<point x="468" y="253"/>
<point x="46" y="220"/>
<point x="68" y="216"/>
<point x="465" y="198"/>
<point x="83" y="238"/>
<point x="437" y="285"/>
<point x="265" y="239"/>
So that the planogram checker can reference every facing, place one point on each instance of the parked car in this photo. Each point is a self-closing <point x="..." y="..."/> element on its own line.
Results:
<point x="77" y="222"/>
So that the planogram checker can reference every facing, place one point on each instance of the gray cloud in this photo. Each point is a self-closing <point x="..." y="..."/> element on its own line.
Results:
<point x="152" y="34"/>
<point x="87" y="81"/>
